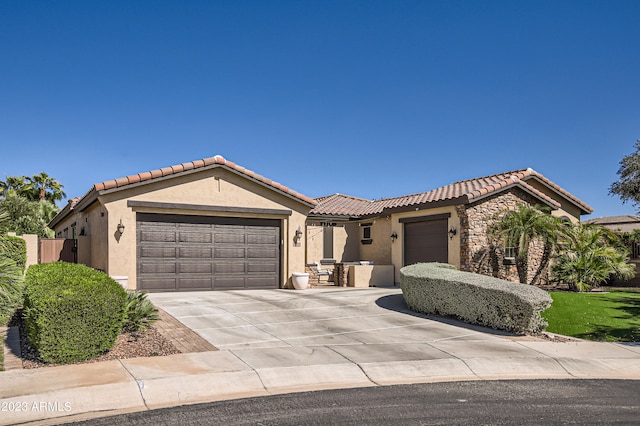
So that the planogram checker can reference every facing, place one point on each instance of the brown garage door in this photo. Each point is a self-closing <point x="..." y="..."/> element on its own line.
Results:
<point x="192" y="253"/>
<point x="426" y="241"/>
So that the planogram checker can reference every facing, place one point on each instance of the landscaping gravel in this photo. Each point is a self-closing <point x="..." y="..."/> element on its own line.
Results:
<point x="128" y="345"/>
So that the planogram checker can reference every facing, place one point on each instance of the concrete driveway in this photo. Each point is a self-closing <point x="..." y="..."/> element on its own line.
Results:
<point x="338" y="317"/>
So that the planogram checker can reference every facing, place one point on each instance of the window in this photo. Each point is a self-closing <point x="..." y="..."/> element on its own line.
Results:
<point x="509" y="252"/>
<point x="327" y="242"/>
<point x="366" y="233"/>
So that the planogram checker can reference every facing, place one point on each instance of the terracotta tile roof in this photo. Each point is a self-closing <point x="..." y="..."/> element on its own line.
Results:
<point x="340" y="205"/>
<point x="464" y="192"/>
<point x="614" y="220"/>
<point x="197" y="164"/>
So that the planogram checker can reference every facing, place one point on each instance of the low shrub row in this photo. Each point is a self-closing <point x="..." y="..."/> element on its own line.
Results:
<point x="72" y="312"/>
<point x="435" y="288"/>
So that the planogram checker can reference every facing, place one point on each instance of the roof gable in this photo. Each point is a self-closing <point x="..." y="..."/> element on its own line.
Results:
<point x="204" y="163"/>
<point x="142" y="178"/>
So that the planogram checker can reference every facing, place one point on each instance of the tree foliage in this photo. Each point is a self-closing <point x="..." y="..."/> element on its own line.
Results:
<point x="628" y="186"/>
<point x="29" y="203"/>
<point x="518" y="228"/>
<point x="40" y="187"/>
<point x="591" y="256"/>
<point x="27" y="217"/>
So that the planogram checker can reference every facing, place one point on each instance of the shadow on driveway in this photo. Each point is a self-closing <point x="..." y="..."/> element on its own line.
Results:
<point x="396" y="303"/>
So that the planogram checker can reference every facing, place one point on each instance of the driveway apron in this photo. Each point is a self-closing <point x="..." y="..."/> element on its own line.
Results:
<point x="336" y="317"/>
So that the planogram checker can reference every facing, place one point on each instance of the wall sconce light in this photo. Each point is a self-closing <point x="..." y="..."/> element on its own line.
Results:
<point x="452" y="232"/>
<point x="297" y="237"/>
<point x="394" y="236"/>
<point x="120" y="228"/>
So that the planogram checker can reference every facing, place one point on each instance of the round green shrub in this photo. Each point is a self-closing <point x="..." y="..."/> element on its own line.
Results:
<point x="72" y="312"/>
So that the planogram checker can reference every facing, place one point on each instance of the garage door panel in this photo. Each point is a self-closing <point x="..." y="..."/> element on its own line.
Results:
<point x="230" y="238"/>
<point x="158" y="268"/>
<point x="229" y="282"/>
<point x="203" y="237"/>
<point x="230" y="268"/>
<point x="195" y="268"/>
<point x="254" y="267"/>
<point x="195" y="283"/>
<point x="157" y="284"/>
<point x="230" y="253"/>
<point x="259" y="282"/>
<point x="158" y="236"/>
<point x="192" y="252"/>
<point x="158" y="252"/>
<point x="183" y="253"/>
<point x="267" y="239"/>
<point x="260" y="253"/>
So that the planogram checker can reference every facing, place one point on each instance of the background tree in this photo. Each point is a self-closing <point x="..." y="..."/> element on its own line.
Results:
<point x="591" y="257"/>
<point x="10" y="279"/>
<point x="24" y="216"/>
<point x="43" y="187"/>
<point x="13" y="185"/>
<point x="628" y="186"/>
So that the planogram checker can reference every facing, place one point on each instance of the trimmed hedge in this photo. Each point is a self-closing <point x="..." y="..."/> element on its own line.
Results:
<point x="436" y="288"/>
<point x="72" y="312"/>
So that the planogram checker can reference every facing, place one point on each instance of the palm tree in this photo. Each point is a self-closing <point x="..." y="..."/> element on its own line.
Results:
<point x="13" y="185"/>
<point x="10" y="280"/>
<point x="46" y="187"/>
<point x="591" y="257"/>
<point x="518" y="228"/>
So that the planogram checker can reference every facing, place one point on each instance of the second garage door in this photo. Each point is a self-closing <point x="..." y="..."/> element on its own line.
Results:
<point x="193" y="253"/>
<point x="426" y="241"/>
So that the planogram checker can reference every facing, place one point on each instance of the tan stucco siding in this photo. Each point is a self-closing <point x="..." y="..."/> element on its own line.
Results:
<point x="379" y="251"/>
<point x="215" y="187"/>
<point x="397" y="247"/>
<point x="345" y="246"/>
<point x="567" y="208"/>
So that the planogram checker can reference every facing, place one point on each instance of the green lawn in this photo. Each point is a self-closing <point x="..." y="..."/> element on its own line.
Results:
<point x="611" y="317"/>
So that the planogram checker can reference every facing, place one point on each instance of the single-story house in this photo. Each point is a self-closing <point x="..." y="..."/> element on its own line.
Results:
<point x="625" y="223"/>
<point x="211" y="224"/>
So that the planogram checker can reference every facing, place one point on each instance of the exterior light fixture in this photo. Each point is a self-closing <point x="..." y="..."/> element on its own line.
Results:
<point x="120" y="228"/>
<point x="394" y="236"/>
<point x="452" y="232"/>
<point x="298" y="233"/>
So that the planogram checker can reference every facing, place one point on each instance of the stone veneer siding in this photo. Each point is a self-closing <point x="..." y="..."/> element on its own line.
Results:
<point x="480" y="255"/>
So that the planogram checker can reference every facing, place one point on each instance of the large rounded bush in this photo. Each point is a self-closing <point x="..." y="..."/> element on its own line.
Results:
<point x="435" y="288"/>
<point x="72" y="312"/>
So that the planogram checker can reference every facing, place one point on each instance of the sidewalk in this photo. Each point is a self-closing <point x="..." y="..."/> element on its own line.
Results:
<point x="90" y="390"/>
<point x="410" y="349"/>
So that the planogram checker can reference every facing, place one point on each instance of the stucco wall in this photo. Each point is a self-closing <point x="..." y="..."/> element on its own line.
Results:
<point x="567" y="208"/>
<point x="345" y="244"/>
<point x="379" y="251"/>
<point x="397" y="247"/>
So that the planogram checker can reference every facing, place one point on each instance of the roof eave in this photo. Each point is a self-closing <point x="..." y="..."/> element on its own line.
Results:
<point x="584" y="208"/>
<point x="513" y="185"/>
<point x="309" y="204"/>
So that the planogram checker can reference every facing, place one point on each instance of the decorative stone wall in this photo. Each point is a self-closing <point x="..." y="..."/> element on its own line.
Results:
<point x="478" y="253"/>
<point x="312" y="270"/>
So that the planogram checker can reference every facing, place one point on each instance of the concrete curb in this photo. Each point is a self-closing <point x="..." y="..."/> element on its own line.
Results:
<point x="57" y="394"/>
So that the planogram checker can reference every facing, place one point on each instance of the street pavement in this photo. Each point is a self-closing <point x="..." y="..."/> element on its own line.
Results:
<point x="282" y="341"/>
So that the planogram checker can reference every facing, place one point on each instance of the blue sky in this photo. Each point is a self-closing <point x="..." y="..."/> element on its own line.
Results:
<point x="368" y="98"/>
